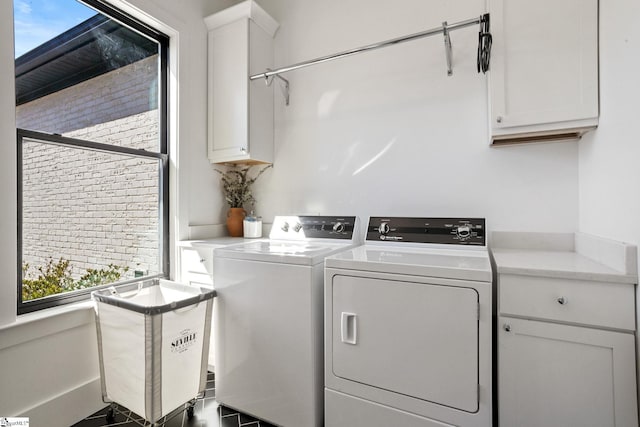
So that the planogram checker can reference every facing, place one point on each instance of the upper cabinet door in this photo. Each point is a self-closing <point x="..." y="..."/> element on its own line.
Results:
<point x="229" y="91"/>
<point x="240" y="111"/>
<point x="544" y="68"/>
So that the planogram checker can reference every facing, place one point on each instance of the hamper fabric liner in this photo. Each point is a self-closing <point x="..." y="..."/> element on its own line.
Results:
<point x="153" y="344"/>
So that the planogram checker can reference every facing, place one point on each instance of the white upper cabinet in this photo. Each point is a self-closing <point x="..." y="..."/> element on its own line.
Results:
<point x="543" y="81"/>
<point x="240" y="111"/>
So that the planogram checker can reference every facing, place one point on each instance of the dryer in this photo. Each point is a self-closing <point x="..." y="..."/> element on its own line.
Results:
<point x="268" y="329"/>
<point x="408" y="336"/>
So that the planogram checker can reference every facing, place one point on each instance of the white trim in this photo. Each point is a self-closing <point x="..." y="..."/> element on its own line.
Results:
<point x="8" y="172"/>
<point x="247" y="9"/>
<point x="45" y="323"/>
<point x="68" y="407"/>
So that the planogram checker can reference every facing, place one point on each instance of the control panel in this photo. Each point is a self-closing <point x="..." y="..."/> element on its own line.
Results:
<point x="313" y="227"/>
<point x="452" y="231"/>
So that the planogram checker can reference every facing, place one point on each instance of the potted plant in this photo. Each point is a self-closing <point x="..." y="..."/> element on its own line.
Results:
<point x="236" y="186"/>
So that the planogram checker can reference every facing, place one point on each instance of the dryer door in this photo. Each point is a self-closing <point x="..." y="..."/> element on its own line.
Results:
<point x="414" y="339"/>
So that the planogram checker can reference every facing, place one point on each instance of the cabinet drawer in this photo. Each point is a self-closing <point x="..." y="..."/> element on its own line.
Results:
<point x="196" y="260"/>
<point x="608" y="305"/>
<point x="197" y="279"/>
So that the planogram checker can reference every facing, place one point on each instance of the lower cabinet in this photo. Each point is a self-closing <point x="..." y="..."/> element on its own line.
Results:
<point x="196" y="266"/>
<point x="554" y="374"/>
<point x="196" y="269"/>
<point x="565" y="330"/>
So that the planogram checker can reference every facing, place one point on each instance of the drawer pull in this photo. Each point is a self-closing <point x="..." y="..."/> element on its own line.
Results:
<point x="563" y="301"/>
<point x="507" y="327"/>
<point x="201" y="259"/>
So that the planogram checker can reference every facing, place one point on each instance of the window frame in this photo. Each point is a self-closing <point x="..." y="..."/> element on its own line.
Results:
<point x="162" y="155"/>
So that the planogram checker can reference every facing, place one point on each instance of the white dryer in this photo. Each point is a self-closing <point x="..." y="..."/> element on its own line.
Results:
<point x="268" y="329"/>
<point x="408" y="326"/>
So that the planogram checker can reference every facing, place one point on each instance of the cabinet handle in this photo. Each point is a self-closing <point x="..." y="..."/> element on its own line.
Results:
<point x="507" y="327"/>
<point x="201" y="259"/>
<point x="563" y="301"/>
<point x="499" y="119"/>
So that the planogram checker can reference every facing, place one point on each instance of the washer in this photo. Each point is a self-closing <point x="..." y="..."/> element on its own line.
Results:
<point x="408" y="326"/>
<point x="269" y="319"/>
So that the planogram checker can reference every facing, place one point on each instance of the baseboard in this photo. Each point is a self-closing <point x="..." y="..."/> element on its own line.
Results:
<point x="67" y="408"/>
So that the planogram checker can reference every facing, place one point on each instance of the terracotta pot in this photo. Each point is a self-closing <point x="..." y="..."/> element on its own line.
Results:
<point x="235" y="216"/>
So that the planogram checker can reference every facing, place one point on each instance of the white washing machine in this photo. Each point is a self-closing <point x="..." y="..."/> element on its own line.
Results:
<point x="268" y="315"/>
<point x="408" y="326"/>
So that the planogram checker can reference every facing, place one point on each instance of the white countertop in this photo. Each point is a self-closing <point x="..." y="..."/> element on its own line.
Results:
<point x="549" y="255"/>
<point x="215" y="242"/>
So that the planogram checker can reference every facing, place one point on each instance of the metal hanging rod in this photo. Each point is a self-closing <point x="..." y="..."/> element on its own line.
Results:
<point x="444" y="29"/>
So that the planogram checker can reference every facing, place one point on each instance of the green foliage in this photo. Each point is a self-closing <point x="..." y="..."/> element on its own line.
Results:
<point x="55" y="277"/>
<point x="100" y="277"/>
<point x="236" y="185"/>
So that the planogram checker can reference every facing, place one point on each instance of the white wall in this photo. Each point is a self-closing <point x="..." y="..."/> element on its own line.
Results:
<point x="388" y="133"/>
<point x="49" y="368"/>
<point x="609" y="160"/>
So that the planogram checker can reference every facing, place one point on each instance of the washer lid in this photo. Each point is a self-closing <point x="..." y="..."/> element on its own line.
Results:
<point x="430" y="262"/>
<point x="282" y="251"/>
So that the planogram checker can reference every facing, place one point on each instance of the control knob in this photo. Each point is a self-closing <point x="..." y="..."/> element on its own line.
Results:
<point x="383" y="229"/>
<point x="338" y="227"/>
<point x="285" y="226"/>
<point x="297" y="227"/>
<point x="463" y="232"/>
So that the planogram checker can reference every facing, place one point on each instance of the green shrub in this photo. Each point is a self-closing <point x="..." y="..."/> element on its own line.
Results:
<point x="55" y="277"/>
<point x="100" y="277"/>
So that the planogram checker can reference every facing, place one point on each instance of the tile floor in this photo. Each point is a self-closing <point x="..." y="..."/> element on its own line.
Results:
<point x="207" y="413"/>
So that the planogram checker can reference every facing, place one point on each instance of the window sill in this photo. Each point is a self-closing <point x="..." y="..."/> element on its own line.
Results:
<point x="47" y="322"/>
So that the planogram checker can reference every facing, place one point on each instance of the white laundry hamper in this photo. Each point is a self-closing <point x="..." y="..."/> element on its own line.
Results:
<point x="153" y="344"/>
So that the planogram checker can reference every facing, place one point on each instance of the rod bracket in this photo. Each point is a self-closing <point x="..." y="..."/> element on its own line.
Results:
<point x="284" y="87"/>
<point x="447" y="47"/>
<point x="268" y="79"/>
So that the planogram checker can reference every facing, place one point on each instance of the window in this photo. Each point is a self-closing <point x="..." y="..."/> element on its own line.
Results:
<point x="91" y="112"/>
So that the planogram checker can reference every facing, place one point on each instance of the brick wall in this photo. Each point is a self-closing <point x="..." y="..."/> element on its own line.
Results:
<point x="91" y="208"/>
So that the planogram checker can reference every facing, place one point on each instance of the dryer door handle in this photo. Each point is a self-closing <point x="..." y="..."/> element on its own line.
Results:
<point x="349" y="328"/>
